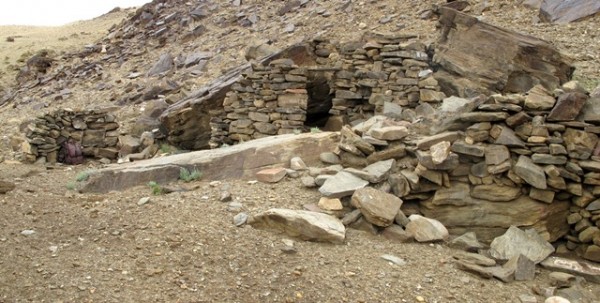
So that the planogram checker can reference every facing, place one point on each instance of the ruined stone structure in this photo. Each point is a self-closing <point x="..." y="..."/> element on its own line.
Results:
<point x="380" y="74"/>
<point x="96" y="130"/>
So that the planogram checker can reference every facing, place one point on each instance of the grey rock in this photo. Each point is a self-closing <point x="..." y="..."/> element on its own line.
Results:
<point x="329" y="158"/>
<point x="379" y="171"/>
<point x="394" y="259"/>
<point x="341" y="185"/>
<point x="143" y="201"/>
<point x="516" y="241"/>
<point x="474" y="258"/>
<point x="306" y="225"/>
<point x="397" y="233"/>
<point x="240" y="219"/>
<point x="164" y="64"/>
<point x="530" y="172"/>
<point x="467" y="242"/>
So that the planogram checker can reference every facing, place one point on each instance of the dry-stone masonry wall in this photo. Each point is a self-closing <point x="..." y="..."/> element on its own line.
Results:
<point x="270" y="100"/>
<point x="96" y="130"/>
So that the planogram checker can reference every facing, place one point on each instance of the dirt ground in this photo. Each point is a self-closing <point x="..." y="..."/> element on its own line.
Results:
<point x="183" y="246"/>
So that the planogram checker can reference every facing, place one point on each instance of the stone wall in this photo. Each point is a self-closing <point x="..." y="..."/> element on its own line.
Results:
<point x="485" y="164"/>
<point x="381" y="74"/>
<point x="270" y="100"/>
<point x="96" y="130"/>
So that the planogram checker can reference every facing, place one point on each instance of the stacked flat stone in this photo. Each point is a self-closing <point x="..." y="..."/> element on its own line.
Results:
<point x="519" y="160"/>
<point x="383" y="71"/>
<point x="96" y="130"/>
<point x="269" y="100"/>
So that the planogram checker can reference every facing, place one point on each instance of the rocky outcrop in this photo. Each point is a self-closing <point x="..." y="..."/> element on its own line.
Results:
<point x="470" y="61"/>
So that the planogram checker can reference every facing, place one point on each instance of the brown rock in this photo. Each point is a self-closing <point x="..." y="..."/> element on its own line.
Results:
<point x="377" y="207"/>
<point x="466" y="62"/>
<point x="538" y="98"/>
<point x="271" y="175"/>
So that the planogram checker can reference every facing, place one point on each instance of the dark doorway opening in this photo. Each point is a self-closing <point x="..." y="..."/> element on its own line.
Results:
<point x="319" y="100"/>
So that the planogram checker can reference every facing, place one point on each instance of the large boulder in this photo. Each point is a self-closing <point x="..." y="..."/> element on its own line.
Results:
<point x="470" y="62"/>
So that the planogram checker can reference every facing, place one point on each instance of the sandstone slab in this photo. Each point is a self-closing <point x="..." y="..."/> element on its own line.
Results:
<point x="341" y="185"/>
<point x="271" y="175"/>
<point x="307" y="225"/>
<point x="234" y="162"/>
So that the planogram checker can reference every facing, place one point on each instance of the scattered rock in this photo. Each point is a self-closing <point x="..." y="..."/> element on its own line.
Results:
<point x="143" y="201"/>
<point x="6" y="186"/>
<point x="341" y="185"/>
<point x="240" y="219"/>
<point x="330" y="204"/>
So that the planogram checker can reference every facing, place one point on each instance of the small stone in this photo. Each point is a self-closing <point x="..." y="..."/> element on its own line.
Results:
<point x="271" y="175"/>
<point x="329" y="158"/>
<point x="143" y="201"/>
<point x="330" y="204"/>
<point x="296" y="163"/>
<point x="240" y="219"/>
<point x="527" y="299"/>
<point x="27" y="232"/>
<point x="556" y="299"/>
<point x="394" y="259"/>
<point x="225" y="196"/>
<point x="308" y="181"/>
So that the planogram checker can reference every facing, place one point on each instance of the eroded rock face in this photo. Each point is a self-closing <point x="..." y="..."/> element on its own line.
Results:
<point x="470" y="61"/>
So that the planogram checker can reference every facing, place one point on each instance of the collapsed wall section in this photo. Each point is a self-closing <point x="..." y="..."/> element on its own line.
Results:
<point x="95" y="130"/>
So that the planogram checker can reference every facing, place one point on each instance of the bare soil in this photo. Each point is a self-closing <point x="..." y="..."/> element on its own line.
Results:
<point x="183" y="246"/>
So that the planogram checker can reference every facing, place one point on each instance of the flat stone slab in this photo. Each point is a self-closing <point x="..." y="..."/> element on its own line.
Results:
<point x="588" y="270"/>
<point x="341" y="185"/>
<point x="307" y="225"/>
<point x="235" y="162"/>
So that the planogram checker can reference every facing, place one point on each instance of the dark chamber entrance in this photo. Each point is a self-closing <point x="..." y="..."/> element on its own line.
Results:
<point x="319" y="100"/>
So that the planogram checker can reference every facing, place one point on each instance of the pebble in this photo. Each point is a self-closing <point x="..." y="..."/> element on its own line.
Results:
<point x="225" y="196"/>
<point x="394" y="259"/>
<point x="234" y="207"/>
<point x="557" y="299"/>
<point x="240" y="219"/>
<point x="27" y="232"/>
<point x="143" y="201"/>
<point x="214" y="183"/>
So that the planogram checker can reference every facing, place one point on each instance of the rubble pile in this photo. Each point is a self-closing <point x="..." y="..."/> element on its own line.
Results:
<point x="528" y="160"/>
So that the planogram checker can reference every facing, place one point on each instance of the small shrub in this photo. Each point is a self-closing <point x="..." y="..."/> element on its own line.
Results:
<point x="297" y="131"/>
<point x="156" y="188"/>
<point x="187" y="176"/>
<point x="315" y="130"/>
<point x="83" y="176"/>
<point x="166" y="149"/>
<point x="71" y="185"/>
